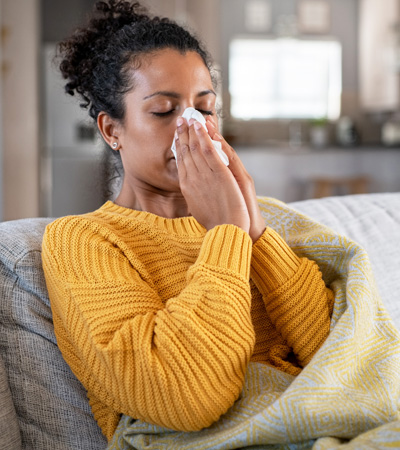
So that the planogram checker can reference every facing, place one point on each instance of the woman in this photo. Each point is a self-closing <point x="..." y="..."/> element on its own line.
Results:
<point x="162" y="297"/>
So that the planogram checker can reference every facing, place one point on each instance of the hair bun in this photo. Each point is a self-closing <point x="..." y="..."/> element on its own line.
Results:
<point x="117" y="13"/>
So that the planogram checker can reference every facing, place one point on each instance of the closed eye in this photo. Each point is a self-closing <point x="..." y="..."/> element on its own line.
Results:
<point x="163" y="114"/>
<point x="167" y="113"/>
<point x="207" y="113"/>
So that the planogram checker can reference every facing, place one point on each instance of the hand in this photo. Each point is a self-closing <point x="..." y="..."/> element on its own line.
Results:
<point x="212" y="194"/>
<point x="244" y="180"/>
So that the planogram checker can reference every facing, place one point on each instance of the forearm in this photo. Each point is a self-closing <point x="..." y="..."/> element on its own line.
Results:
<point x="295" y="296"/>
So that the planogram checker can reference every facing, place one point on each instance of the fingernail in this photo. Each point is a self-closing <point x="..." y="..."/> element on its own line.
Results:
<point x="179" y="121"/>
<point x="217" y="137"/>
<point x="197" y="125"/>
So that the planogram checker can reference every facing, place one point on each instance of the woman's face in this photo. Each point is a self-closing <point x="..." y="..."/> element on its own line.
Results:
<point x="166" y="83"/>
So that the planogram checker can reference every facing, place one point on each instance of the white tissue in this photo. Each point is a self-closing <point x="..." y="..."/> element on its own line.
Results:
<point x="191" y="113"/>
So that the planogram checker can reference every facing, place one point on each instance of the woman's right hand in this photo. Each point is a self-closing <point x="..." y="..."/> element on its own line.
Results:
<point x="211" y="192"/>
<point x="244" y="181"/>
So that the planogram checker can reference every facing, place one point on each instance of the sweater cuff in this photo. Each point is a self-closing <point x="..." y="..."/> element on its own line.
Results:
<point x="274" y="262"/>
<point x="227" y="247"/>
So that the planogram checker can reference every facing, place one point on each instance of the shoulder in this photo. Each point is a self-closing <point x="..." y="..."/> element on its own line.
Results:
<point x="74" y="247"/>
<point x="108" y="229"/>
<point x="68" y="228"/>
<point x="77" y="230"/>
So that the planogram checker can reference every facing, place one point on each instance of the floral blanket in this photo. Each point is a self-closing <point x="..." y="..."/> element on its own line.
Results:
<point x="348" y="395"/>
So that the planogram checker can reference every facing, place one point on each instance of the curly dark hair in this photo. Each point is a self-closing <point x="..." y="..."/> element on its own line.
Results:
<point x="96" y="59"/>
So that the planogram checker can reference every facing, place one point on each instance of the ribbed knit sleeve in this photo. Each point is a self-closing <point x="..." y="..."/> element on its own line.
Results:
<point x="295" y="296"/>
<point x="179" y="363"/>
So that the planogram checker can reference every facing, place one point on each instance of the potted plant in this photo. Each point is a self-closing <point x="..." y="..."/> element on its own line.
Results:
<point x="319" y="132"/>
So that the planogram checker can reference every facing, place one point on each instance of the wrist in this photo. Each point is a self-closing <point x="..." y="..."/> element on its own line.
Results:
<point x="256" y="236"/>
<point x="257" y="231"/>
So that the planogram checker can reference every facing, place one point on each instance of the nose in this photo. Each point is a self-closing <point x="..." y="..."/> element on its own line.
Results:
<point x="186" y="105"/>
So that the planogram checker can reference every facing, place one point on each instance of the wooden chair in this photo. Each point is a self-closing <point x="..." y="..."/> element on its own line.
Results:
<point x="329" y="186"/>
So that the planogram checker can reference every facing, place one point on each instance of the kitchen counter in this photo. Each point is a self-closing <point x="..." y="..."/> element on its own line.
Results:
<point x="290" y="174"/>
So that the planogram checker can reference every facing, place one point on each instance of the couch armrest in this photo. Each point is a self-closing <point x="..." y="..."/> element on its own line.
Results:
<point x="50" y="403"/>
<point x="373" y="221"/>
<point x="10" y="437"/>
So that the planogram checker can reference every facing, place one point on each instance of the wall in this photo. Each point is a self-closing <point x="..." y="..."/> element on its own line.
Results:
<point x="20" y="23"/>
<point x="60" y="17"/>
<point x="201" y="17"/>
<point x="344" y="27"/>
<point x="206" y="19"/>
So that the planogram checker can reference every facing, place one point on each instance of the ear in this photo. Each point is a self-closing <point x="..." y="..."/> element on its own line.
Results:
<point x="110" y="129"/>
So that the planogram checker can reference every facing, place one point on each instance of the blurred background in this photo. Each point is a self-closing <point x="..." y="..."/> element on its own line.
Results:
<point x="309" y="93"/>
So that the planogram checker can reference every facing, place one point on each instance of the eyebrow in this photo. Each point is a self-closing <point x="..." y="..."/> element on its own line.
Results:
<point x="176" y="95"/>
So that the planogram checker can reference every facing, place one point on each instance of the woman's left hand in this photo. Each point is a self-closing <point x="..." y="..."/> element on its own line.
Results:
<point x="245" y="182"/>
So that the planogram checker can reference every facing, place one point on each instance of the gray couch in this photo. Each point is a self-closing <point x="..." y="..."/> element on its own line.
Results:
<point x="43" y="406"/>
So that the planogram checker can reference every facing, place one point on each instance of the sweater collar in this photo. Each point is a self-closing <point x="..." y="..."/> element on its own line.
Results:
<point x="180" y="225"/>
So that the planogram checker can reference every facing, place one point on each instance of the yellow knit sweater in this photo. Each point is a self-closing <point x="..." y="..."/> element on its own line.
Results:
<point x="159" y="318"/>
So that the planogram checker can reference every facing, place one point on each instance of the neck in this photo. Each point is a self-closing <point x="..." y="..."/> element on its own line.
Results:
<point x="170" y="205"/>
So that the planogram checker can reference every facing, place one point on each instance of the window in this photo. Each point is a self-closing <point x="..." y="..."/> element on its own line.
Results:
<point x="285" y="78"/>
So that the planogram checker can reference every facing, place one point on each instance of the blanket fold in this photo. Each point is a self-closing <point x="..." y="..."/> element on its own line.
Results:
<point x="346" y="397"/>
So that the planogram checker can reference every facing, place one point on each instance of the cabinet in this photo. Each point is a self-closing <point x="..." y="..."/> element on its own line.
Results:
<point x="289" y="175"/>
<point x="378" y="43"/>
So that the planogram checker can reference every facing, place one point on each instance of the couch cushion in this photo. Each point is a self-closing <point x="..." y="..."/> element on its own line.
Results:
<point x="50" y="403"/>
<point x="10" y="438"/>
<point x="373" y="221"/>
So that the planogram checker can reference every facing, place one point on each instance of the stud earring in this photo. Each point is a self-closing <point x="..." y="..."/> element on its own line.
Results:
<point x="115" y="145"/>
